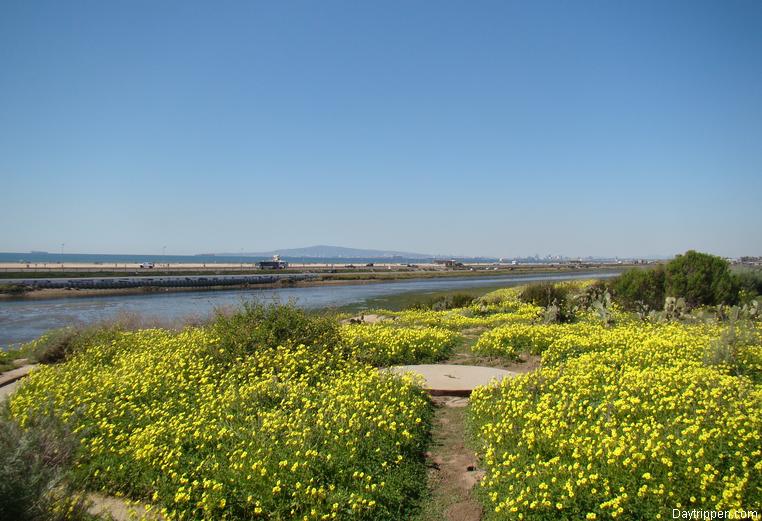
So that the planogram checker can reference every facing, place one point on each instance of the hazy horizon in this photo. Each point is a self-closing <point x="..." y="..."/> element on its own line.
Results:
<point x="502" y="129"/>
<point x="403" y="254"/>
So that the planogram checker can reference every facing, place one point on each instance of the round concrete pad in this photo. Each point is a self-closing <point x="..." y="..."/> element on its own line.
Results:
<point x="453" y="380"/>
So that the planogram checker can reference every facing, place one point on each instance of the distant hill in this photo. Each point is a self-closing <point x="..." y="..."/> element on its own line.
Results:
<point x="332" y="252"/>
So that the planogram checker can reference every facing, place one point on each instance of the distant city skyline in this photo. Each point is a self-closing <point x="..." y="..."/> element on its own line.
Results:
<point x="495" y="128"/>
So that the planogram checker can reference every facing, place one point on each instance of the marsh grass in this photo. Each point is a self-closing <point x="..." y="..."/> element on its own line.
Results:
<point x="35" y="463"/>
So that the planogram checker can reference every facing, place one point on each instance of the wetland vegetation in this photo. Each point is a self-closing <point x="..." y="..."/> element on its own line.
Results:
<point x="275" y="413"/>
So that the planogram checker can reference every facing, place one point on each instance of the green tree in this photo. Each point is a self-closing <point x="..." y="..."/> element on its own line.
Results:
<point x="640" y="287"/>
<point x="699" y="278"/>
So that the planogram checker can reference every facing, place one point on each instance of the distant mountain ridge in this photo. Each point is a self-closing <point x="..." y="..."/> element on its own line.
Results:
<point x="323" y="251"/>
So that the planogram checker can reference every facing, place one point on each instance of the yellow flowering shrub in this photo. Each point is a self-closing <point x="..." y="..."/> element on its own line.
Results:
<point x="382" y="344"/>
<point x="560" y="342"/>
<point x="623" y="422"/>
<point x="502" y="295"/>
<point x="507" y="296"/>
<point x="511" y="339"/>
<point x="284" y="433"/>
<point x="479" y="316"/>
<point x="590" y="438"/>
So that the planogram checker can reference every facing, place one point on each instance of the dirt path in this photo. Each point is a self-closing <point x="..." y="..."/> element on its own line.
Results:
<point x="453" y="466"/>
<point x="120" y="509"/>
<point x="453" y="471"/>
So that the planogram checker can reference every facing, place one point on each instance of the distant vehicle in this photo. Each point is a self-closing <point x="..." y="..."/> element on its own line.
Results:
<point x="147" y="265"/>
<point x="275" y="264"/>
<point x="369" y="265"/>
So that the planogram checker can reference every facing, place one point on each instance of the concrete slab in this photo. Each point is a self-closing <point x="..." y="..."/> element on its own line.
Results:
<point x="16" y="374"/>
<point x="10" y="380"/>
<point x="453" y="380"/>
<point x="7" y="390"/>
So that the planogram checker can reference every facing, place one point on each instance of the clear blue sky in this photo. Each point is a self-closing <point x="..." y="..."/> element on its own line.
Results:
<point x="498" y="128"/>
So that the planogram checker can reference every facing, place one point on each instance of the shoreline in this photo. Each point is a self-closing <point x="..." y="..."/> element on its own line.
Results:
<point x="327" y="280"/>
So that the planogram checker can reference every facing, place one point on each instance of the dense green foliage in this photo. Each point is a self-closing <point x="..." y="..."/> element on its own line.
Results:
<point x="444" y="302"/>
<point x="639" y="288"/>
<point x="545" y="294"/>
<point x="60" y="344"/>
<point x="748" y="284"/>
<point x="256" y="326"/>
<point x="13" y="289"/>
<point x="700" y="279"/>
<point x="33" y="468"/>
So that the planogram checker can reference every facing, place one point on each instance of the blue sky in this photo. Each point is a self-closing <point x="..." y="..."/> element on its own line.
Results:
<point x="495" y="128"/>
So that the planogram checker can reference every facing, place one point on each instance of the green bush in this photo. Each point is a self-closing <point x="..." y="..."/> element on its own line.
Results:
<point x="59" y="345"/>
<point x="34" y="463"/>
<point x="700" y="279"/>
<point x="444" y="302"/>
<point x="748" y="283"/>
<point x="639" y="288"/>
<point x="553" y="297"/>
<point x="257" y="326"/>
<point x="544" y="294"/>
<point x="13" y="289"/>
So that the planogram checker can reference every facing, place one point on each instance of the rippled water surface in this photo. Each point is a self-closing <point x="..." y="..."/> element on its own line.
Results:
<point x="24" y="320"/>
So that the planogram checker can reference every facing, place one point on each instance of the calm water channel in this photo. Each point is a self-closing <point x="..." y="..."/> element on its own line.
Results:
<point x="24" y="320"/>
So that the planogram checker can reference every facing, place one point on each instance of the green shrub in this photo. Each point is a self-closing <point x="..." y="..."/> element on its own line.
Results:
<point x="13" y="289"/>
<point x="748" y="284"/>
<point x="257" y="326"/>
<point x="594" y="292"/>
<point x="34" y="463"/>
<point x="160" y="418"/>
<point x="59" y="345"/>
<point x="444" y="302"/>
<point x="553" y="297"/>
<point x="699" y="278"/>
<point x="638" y="288"/>
<point x="544" y="294"/>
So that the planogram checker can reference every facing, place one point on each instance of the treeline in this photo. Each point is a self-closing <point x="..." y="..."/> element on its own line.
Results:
<point x="698" y="278"/>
